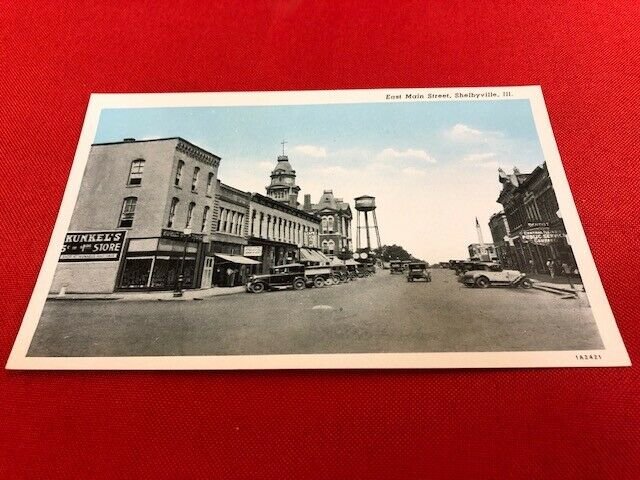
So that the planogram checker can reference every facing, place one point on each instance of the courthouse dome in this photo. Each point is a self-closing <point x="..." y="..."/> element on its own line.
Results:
<point x="283" y="165"/>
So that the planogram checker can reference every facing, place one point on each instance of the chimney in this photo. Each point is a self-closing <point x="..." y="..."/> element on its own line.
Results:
<point x="129" y="139"/>
<point x="307" y="201"/>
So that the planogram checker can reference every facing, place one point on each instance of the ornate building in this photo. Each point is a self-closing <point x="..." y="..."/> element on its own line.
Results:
<point x="536" y="230"/>
<point x="335" y="223"/>
<point x="283" y="186"/>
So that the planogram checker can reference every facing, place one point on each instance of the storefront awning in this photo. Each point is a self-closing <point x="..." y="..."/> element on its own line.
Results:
<point x="306" y="255"/>
<point x="237" y="259"/>
<point x="323" y="258"/>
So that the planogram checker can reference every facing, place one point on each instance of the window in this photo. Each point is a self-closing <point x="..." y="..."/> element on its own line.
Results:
<point x="136" y="171"/>
<point x="192" y="206"/>
<point x="210" y="183"/>
<point x="205" y="218"/>
<point x="325" y="246"/>
<point x="194" y="180"/>
<point x="128" y="211"/>
<point x="172" y="212"/>
<point x="324" y="224"/>
<point x="179" y="173"/>
<point x="332" y="246"/>
<point x="330" y="224"/>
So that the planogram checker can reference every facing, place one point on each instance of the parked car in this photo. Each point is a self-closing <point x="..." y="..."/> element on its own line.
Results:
<point x="418" y="271"/>
<point x="340" y="273"/>
<point x="464" y="267"/>
<point x="319" y="276"/>
<point x="283" y="276"/>
<point x="395" y="266"/>
<point x="495" y="275"/>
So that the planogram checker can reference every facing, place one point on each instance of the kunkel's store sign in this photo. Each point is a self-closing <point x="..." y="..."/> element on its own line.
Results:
<point x="93" y="246"/>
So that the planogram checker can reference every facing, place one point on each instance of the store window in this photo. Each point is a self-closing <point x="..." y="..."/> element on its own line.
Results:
<point x="135" y="172"/>
<point x="128" y="212"/>
<point x="192" y="207"/>
<point x="179" y="170"/>
<point x="172" y="212"/>
<point x="205" y="218"/>
<point x="194" y="179"/>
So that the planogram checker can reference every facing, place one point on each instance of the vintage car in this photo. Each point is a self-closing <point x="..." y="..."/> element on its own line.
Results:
<point x="283" y="276"/>
<point x="495" y="275"/>
<point x="418" y="271"/>
<point x="319" y="276"/>
<point x="340" y="273"/>
<point x="395" y="266"/>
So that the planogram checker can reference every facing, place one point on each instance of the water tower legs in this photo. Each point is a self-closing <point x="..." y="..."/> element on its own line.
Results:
<point x="375" y="224"/>
<point x="366" y="226"/>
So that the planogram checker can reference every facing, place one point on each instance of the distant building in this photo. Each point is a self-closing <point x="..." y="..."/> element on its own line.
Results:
<point x="127" y="231"/>
<point x="484" y="252"/>
<point x="536" y="230"/>
<point x="335" y="227"/>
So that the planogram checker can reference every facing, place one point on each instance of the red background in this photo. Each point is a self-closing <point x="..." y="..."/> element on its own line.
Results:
<point x="565" y="423"/>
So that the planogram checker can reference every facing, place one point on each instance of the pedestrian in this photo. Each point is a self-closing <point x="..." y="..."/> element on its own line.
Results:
<point x="531" y="266"/>
<point x="551" y="268"/>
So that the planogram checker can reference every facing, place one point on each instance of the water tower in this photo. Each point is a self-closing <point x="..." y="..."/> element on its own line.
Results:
<point x="364" y="205"/>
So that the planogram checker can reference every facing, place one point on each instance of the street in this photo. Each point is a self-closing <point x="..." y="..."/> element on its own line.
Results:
<point x="382" y="313"/>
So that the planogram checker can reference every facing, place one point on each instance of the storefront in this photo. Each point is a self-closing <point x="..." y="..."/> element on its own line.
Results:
<point x="272" y="253"/>
<point x="309" y="256"/>
<point x="156" y="263"/>
<point x="233" y="270"/>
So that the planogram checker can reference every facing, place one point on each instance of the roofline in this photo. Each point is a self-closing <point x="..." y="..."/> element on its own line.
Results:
<point x="157" y="140"/>
<point x="277" y="204"/>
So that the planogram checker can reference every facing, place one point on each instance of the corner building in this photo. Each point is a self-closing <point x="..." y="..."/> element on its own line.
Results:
<point x="151" y="192"/>
<point x="335" y="224"/>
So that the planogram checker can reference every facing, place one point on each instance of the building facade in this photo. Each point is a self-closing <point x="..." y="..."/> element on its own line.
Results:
<point x="536" y="230"/>
<point x="279" y="233"/>
<point x="499" y="228"/>
<point x="335" y="215"/>
<point x="484" y="252"/>
<point x="158" y="197"/>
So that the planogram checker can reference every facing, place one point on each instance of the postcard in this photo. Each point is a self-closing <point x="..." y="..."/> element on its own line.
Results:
<point x="395" y="228"/>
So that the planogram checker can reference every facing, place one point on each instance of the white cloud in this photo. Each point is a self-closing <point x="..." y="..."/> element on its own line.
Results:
<point x="409" y="154"/>
<point x="478" y="157"/>
<point x="330" y="170"/>
<point x="464" y="133"/>
<point x="310" y="151"/>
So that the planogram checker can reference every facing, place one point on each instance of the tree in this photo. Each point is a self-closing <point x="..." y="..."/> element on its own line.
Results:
<point x="393" y="252"/>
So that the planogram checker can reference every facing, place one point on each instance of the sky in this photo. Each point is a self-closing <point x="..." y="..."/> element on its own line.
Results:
<point x="432" y="166"/>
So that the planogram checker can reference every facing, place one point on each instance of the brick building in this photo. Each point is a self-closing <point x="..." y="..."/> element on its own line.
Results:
<point x="499" y="228"/>
<point x="335" y="224"/>
<point x="148" y="193"/>
<point x="536" y="231"/>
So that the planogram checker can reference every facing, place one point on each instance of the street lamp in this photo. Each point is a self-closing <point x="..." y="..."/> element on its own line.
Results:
<point x="180" y="280"/>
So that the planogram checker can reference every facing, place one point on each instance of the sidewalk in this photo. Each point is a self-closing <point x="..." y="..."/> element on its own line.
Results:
<point x="150" y="296"/>
<point x="559" y="284"/>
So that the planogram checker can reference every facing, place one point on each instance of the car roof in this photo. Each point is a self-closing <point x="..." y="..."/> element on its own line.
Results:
<point x="288" y="265"/>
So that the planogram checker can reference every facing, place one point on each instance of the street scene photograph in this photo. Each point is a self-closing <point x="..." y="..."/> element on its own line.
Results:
<point x="378" y="227"/>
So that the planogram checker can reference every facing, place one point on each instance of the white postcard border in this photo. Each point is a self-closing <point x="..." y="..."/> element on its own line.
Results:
<point x="613" y="354"/>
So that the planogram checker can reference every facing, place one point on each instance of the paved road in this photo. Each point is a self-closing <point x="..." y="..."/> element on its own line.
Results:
<point x="383" y="313"/>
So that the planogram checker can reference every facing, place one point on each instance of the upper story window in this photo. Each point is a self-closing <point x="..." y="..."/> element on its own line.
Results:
<point x="325" y="246"/>
<point x="205" y="219"/>
<point x="331" y="246"/>
<point x="136" y="171"/>
<point x="194" y="179"/>
<point x="324" y="225"/>
<point x="192" y="207"/>
<point x="172" y="212"/>
<point x="128" y="212"/>
<point x="210" y="183"/>
<point x="330" y="224"/>
<point x="179" y="173"/>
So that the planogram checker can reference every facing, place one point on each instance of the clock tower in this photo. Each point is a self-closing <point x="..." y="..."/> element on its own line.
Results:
<point x="283" y="186"/>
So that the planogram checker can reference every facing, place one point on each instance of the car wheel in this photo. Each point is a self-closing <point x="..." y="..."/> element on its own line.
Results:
<point x="299" y="284"/>
<point x="482" y="282"/>
<point x="257" y="287"/>
<point x="318" y="282"/>
<point x="526" y="283"/>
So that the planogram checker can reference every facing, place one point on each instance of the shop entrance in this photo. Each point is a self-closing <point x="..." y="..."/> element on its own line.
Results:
<point x="207" y="273"/>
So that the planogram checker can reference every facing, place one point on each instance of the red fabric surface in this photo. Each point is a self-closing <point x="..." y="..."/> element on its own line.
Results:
<point x="547" y="423"/>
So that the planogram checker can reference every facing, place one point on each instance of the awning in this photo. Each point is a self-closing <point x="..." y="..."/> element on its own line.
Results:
<point x="351" y="262"/>
<point x="336" y="261"/>
<point x="307" y="255"/>
<point x="237" y="259"/>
